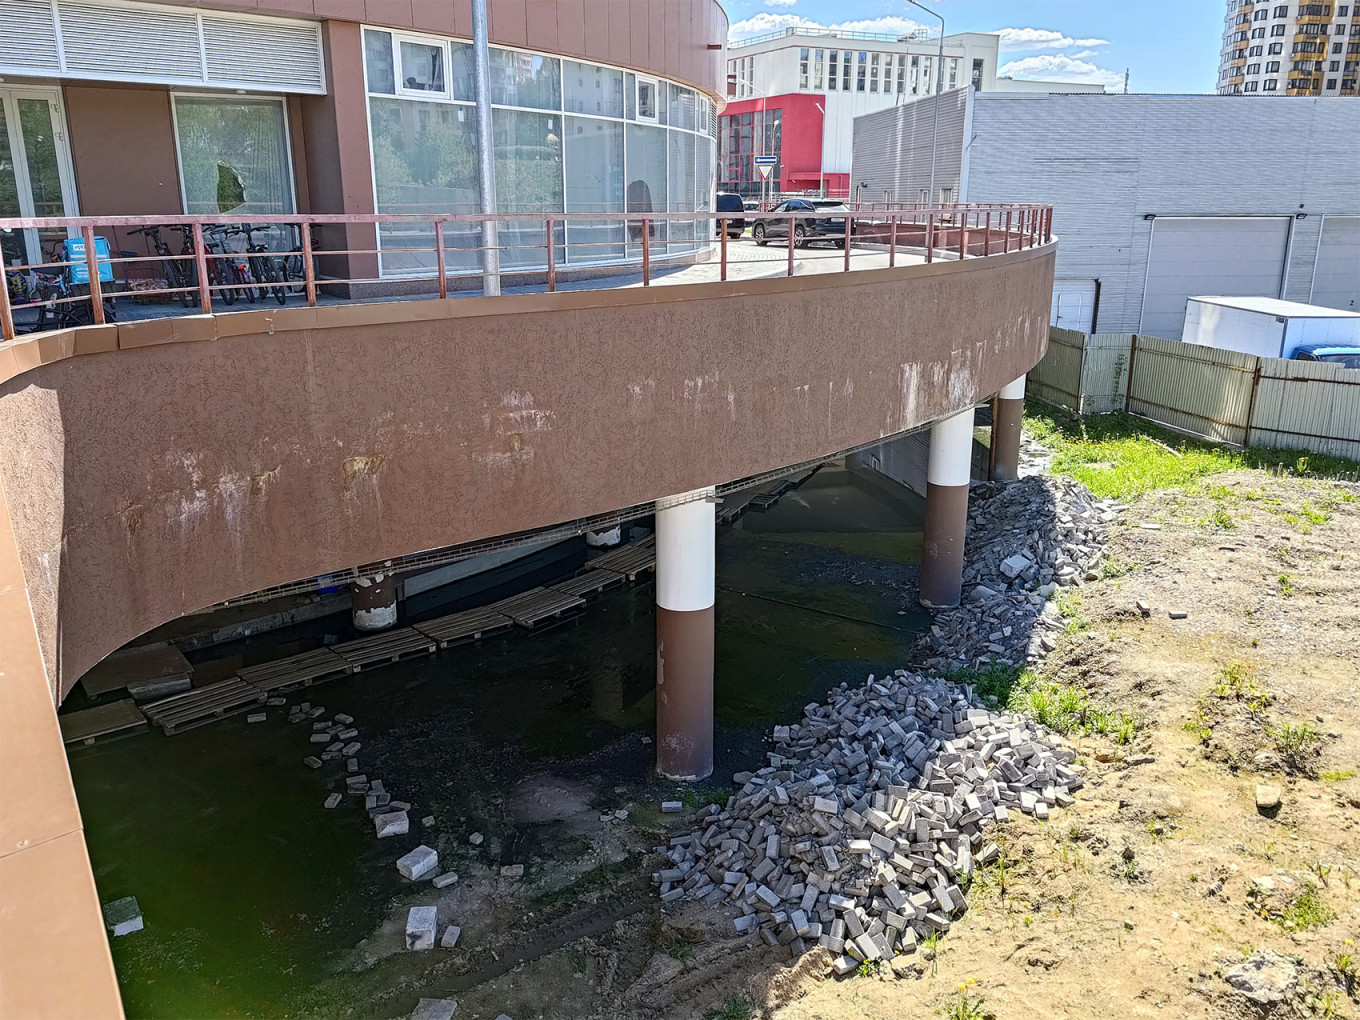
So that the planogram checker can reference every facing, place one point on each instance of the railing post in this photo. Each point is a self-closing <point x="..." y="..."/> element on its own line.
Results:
<point x="963" y="236"/>
<point x="930" y="236"/>
<point x="92" y="266"/>
<point x="1251" y="405"/>
<point x="892" y="242"/>
<point x="552" y="258"/>
<point x="308" y="274"/>
<point x="987" y="235"/>
<point x="6" y="313"/>
<point x="1006" y="245"/>
<point x="722" y="248"/>
<point x="790" y="240"/>
<point x="439" y="258"/>
<point x="1128" y="383"/>
<point x="201" y="267"/>
<point x="849" y="230"/>
<point x="646" y="255"/>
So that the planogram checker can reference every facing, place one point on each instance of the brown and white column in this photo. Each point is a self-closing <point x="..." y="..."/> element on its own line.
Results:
<point x="373" y="602"/>
<point x="684" y="636"/>
<point x="1010" y="404"/>
<point x="947" y="474"/>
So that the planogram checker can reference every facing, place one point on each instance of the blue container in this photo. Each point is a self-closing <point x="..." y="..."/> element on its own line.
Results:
<point x="80" y="272"/>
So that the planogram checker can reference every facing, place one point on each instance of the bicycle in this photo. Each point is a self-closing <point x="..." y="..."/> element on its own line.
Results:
<point x="293" y="269"/>
<point x="51" y="291"/>
<point x="179" y="274"/>
<point x="230" y="276"/>
<point x="267" y="268"/>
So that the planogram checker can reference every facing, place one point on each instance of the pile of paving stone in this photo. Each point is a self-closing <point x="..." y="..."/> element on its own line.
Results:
<point x="1025" y="540"/>
<point x="865" y="829"/>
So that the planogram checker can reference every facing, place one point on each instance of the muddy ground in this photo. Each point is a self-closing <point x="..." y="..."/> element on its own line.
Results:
<point x="1132" y="903"/>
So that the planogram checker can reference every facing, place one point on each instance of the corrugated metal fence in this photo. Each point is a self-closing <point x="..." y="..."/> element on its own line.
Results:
<point x="1232" y="398"/>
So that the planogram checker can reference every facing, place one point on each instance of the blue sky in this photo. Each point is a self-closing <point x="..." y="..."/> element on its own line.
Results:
<point x="1167" y="45"/>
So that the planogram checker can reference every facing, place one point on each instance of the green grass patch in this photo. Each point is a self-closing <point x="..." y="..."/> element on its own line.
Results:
<point x="1306" y="911"/>
<point x="1338" y="775"/>
<point x="1119" y="455"/>
<point x="732" y="1008"/>
<point x="702" y="796"/>
<point x="1064" y="708"/>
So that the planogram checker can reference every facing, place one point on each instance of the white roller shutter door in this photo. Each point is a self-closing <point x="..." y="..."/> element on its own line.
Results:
<point x="1210" y="255"/>
<point x="1336" y="275"/>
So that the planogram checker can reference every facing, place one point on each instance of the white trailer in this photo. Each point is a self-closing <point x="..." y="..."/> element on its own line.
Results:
<point x="1267" y="327"/>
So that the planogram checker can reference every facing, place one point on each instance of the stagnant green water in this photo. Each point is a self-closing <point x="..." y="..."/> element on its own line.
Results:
<point x="254" y="896"/>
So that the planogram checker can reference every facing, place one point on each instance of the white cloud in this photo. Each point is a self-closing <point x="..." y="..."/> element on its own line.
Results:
<point x="1082" y="54"/>
<point x="1019" y="39"/>
<point x="759" y="24"/>
<point x="780" y="3"/>
<point x="1057" y="67"/>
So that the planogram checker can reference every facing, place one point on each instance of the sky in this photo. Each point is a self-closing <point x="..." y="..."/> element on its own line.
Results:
<point x="1166" y="45"/>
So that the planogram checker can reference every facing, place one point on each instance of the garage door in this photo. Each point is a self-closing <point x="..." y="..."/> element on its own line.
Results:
<point x="1336" y="279"/>
<point x="1210" y="255"/>
<point x="1074" y="304"/>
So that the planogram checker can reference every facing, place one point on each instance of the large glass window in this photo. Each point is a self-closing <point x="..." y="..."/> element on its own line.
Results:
<point x="646" y="190"/>
<point x="681" y="194"/>
<point x="233" y="155"/>
<point x="525" y="79"/>
<point x="591" y="89"/>
<point x="382" y="77"/>
<point x="528" y="149"/>
<point x="594" y="183"/>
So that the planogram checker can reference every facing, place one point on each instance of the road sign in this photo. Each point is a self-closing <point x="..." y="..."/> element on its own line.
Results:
<point x="766" y="160"/>
<point x="765" y="170"/>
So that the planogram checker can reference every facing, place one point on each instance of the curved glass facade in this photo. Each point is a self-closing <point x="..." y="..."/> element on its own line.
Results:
<point x="569" y="136"/>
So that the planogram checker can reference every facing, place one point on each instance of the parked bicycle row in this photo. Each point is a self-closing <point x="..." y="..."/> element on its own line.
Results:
<point x="250" y="262"/>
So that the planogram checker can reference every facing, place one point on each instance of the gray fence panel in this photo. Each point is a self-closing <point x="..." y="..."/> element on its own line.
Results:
<point x="1105" y="376"/>
<point x="1307" y="406"/>
<point x="1057" y="378"/>
<point x="1199" y="390"/>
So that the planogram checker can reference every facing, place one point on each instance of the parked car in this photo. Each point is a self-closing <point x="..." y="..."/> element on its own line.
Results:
<point x="1346" y="356"/>
<point x="730" y="203"/>
<point x="828" y="225"/>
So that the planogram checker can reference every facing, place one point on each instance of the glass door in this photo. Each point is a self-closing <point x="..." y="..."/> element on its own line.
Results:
<point x="35" y="169"/>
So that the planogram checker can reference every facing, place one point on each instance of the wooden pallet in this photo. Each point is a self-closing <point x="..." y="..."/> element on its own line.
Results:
<point x="530" y="608"/>
<point x="592" y="582"/>
<point x="302" y="670"/>
<point x="91" y="724"/>
<point x="770" y="496"/>
<point x="465" y="627"/>
<point x="389" y="646"/>
<point x="204" y="705"/>
<point x="629" y="560"/>
<point x="729" y="514"/>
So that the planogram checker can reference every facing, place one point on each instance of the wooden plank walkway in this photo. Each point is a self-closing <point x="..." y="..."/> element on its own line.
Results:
<point x="537" y="605"/>
<point x="629" y="560"/>
<point x="389" y="646"/>
<point x="464" y="627"/>
<point x="91" y="724"/>
<point x="301" y="670"/>
<point x="204" y="705"/>
<point x="770" y="496"/>
<point x="592" y="582"/>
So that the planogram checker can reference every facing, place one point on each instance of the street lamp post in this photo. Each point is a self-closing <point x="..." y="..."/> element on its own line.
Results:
<point x="939" y="88"/>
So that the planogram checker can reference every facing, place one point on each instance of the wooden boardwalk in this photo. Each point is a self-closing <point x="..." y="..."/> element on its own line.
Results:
<point x="592" y="582"/>
<point x="388" y="646"/>
<point x="204" y="705"/>
<point x="465" y="627"/>
<point x="302" y="670"/>
<point x="629" y="560"/>
<point x="537" y="605"/>
<point x="114" y="719"/>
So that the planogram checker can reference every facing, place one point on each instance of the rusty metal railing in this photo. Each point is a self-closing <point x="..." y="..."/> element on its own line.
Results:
<point x="338" y="256"/>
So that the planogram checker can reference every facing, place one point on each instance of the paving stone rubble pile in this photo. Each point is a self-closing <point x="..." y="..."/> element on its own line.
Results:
<point x="864" y="831"/>
<point x="1025" y="540"/>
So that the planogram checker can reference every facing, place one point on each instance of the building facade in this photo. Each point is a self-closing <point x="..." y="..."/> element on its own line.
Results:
<point x="1141" y="217"/>
<point x="1290" y="49"/>
<point x="336" y="106"/>
<point x="807" y="86"/>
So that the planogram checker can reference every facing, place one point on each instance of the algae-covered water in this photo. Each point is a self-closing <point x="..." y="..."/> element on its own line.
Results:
<point x="254" y="895"/>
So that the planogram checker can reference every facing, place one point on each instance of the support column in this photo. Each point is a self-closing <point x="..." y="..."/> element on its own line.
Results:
<point x="684" y="637"/>
<point x="1010" y="403"/>
<point x="951" y="449"/>
<point x="373" y="602"/>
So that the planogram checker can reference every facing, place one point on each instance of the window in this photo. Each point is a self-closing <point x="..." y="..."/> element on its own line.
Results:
<point x="1258" y="33"/>
<point x="233" y="155"/>
<point x="525" y="79"/>
<point x="1260" y="15"/>
<point x="1272" y="66"/>
<point x="873" y="72"/>
<point x="1274" y="48"/>
<point x="803" y="73"/>
<point x="422" y="67"/>
<point x="592" y="89"/>
<point x="1331" y="83"/>
<point x="817" y="67"/>
<point x="927" y="75"/>
<point x="1336" y="47"/>
<point x="953" y="72"/>
<point x="901" y="74"/>
<point x="1277" y="29"/>
<point x="831" y="72"/>
<point x="378" y="62"/>
<point x="1255" y="51"/>
<point x="646" y="99"/>
<point x="1334" y="65"/>
<point x="1343" y="11"/>
<point x="1250" y="86"/>
<point x="1253" y="69"/>
<point x="1281" y="12"/>
<point x="1270" y="85"/>
<point x="861" y="71"/>
<point x="845" y="71"/>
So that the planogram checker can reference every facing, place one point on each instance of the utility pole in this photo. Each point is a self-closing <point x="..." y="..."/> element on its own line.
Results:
<point x="939" y="88"/>
<point x="486" y="154"/>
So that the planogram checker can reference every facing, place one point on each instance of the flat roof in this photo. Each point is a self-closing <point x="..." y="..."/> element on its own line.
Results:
<point x="1274" y="306"/>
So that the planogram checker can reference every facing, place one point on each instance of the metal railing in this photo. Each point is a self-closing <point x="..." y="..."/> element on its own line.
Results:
<point x="444" y="250"/>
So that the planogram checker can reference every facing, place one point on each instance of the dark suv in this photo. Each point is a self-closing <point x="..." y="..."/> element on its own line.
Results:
<point x="828" y="224"/>
<point x="729" y="203"/>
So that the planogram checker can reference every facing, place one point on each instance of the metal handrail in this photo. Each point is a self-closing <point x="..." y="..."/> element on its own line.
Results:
<point x="955" y="229"/>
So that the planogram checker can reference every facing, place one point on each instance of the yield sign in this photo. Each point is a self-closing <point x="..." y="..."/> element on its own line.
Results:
<point x="765" y="170"/>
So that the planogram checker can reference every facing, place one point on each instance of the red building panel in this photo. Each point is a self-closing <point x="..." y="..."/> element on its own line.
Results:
<point x="800" y="155"/>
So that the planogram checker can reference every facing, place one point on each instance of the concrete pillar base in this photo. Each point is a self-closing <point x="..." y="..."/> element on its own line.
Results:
<point x="373" y="602"/>
<point x="947" y="477"/>
<point x="1010" y="405"/>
